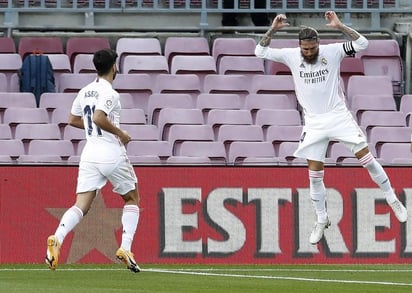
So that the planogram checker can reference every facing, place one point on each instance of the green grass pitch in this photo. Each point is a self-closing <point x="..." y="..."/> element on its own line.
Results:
<point x="207" y="278"/>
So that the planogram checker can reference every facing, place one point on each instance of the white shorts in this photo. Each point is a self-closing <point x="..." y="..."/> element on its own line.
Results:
<point x="93" y="176"/>
<point x="322" y="128"/>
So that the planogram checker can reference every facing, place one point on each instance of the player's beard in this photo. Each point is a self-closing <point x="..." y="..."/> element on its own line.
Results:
<point x="311" y="59"/>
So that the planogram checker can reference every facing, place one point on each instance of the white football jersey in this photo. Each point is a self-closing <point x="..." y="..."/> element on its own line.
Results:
<point x="101" y="146"/>
<point x="318" y="87"/>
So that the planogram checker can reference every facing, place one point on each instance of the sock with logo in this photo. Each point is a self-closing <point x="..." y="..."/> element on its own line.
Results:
<point x="130" y="219"/>
<point x="67" y="223"/>
<point x="318" y="195"/>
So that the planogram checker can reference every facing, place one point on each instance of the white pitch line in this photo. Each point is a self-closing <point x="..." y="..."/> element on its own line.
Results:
<point x="277" y="278"/>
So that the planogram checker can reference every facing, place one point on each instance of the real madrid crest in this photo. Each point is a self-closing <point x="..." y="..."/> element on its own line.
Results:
<point x="109" y="103"/>
<point x="324" y="61"/>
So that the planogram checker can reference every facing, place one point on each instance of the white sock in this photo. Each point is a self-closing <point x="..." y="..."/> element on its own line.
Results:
<point x="318" y="195"/>
<point x="378" y="175"/>
<point x="67" y="223"/>
<point x="130" y="219"/>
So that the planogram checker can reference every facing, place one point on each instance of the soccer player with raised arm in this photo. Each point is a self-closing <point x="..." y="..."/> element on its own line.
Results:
<point x="316" y="74"/>
<point x="96" y="109"/>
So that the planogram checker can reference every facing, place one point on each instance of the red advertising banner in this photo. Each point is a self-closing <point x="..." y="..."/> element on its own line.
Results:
<point x="236" y="215"/>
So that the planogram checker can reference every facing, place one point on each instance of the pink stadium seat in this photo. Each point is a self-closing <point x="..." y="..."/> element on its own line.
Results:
<point x="169" y="116"/>
<point x="138" y="85"/>
<point x="267" y="117"/>
<point x="24" y="100"/>
<point x="377" y="102"/>
<point x="136" y="46"/>
<point x="214" y="150"/>
<point x="199" y="65"/>
<point x="175" y="46"/>
<point x="232" y="47"/>
<point x="28" y="132"/>
<point x="218" y="117"/>
<point x="255" y="153"/>
<point x="149" y="151"/>
<point x="61" y="148"/>
<point x="14" y="116"/>
<point x="227" y="84"/>
<point x="206" y="102"/>
<point x="160" y="101"/>
<point x="405" y="107"/>
<point x="51" y="101"/>
<point x="85" y="45"/>
<point x="132" y="116"/>
<point x="60" y="116"/>
<point x="381" y="134"/>
<point x="382" y="57"/>
<point x="60" y="64"/>
<point x="277" y="134"/>
<point x="370" y="119"/>
<point x="396" y="153"/>
<point x="285" y="154"/>
<point x="274" y="84"/>
<point x="178" y="83"/>
<point x="40" y="45"/>
<point x="5" y="132"/>
<point x="10" y="65"/>
<point x="141" y="131"/>
<point x="368" y="85"/>
<point x="73" y="134"/>
<point x="12" y="148"/>
<point x="73" y="82"/>
<point x="350" y="66"/>
<point x="4" y="87"/>
<point x="152" y="65"/>
<point x="180" y="133"/>
<point x="230" y="133"/>
<point x="246" y="65"/>
<point x="7" y="45"/>
<point x="83" y="63"/>
<point x="255" y="102"/>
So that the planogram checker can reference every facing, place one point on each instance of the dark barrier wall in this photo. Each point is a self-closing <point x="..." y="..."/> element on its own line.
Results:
<point x="209" y="215"/>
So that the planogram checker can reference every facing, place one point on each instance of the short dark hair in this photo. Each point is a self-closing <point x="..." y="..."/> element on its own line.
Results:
<point x="103" y="60"/>
<point x="308" y="33"/>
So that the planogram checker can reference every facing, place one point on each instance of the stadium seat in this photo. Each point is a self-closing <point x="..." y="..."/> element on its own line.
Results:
<point x="256" y="153"/>
<point x="12" y="148"/>
<point x="338" y="152"/>
<point x="232" y="47"/>
<point x="381" y="134"/>
<point x="175" y="46"/>
<point x="85" y="45"/>
<point x="10" y="65"/>
<point x="136" y="46"/>
<point x="199" y="65"/>
<point x="83" y="63"/>
<point x="14" y="116"/>
<point x="246" y="65"/>
<point x="230" y="133"/>
<point x="60" y="64"/>
<point x="405" y="107"/>
<point x="149" y="151"/>
<point x="227" y="84"/>
<point x="141" y="131"/>
<point x="350" y="66"/>
<point x="285" y="154"/>
<point x="396" y="153"/>
<point x="4" y="87"/>
<point x="370" y="119"/>
<point x="132" y="116"/>
<point x="276" y="134"/>
<point x="206" y="102"/>
<point x="73" y="82"/>
<point x="377" y="102"/>
<point x="73" y="134"/>
<point x="383" y="57"/>
<point x="368" y="85"/>
<point x="188" y="160"/>
<point x="169" y="116"/>
<point x="62" y="148"/>
<point x="178" y="83"/>
<point x="137" y="85"/>
<point x="159" y="101"/>
<point x="268" y="117"/>
<point x="151" y="65"/>
<point x="180" y="133"/>
<point x="255" y="102"/>
<point x="5" y="132"/>
<point x="218" y="117"/>
<point x="274" y="84"/>
<point x="40" y="45"/>
<point x="7" y="45"/>
<point x="51" y="101"/>
<point x="215" y="150"/>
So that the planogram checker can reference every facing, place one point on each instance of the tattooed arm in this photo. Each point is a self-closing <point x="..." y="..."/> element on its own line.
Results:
<point x="278" y="23"/>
